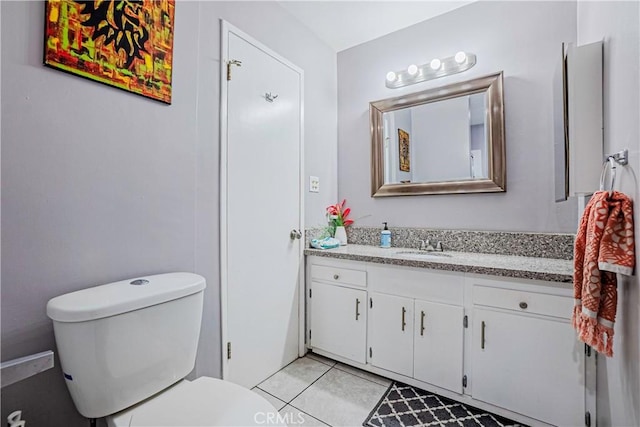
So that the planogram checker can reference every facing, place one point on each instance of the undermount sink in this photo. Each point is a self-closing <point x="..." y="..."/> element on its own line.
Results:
<point x="423" y="254"/>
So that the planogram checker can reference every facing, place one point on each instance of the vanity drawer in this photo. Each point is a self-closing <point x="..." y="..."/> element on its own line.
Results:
<point x="339" y="275"/>
<point x="523" y="301"/>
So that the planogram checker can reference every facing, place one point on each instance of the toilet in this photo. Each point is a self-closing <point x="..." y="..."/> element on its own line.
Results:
<point x="126" y="347"/>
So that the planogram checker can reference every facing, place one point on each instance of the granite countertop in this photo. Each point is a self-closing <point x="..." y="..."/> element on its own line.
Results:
<point x="548" y="269"/>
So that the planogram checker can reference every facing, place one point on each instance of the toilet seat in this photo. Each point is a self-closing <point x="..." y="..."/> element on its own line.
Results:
<point x="202" y="402"/>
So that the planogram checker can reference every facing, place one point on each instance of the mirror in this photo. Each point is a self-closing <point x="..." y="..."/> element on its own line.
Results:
<point x="440" y="141"/>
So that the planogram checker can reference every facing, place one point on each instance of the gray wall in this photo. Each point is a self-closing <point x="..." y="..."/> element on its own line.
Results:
<point x="441" y="140"/>
<point x="618" y="24"/>
<point x="401" y="120"/>
<point x="479" y="142"/>
<point x="522" y="39"/>
<point x="101" y="185"/>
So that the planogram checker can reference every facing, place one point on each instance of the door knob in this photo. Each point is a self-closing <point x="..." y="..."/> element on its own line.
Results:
<point x="295" y="234"/>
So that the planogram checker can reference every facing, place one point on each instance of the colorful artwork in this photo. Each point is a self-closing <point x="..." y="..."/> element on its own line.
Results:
<point x="403" y="148"/>
<point x="126" y="44"/>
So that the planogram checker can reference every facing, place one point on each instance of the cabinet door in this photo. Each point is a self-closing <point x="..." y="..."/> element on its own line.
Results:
<point x="391" y="333"/>
<point x="438" y="344"/>
<point x="530" y="365"/>
<point x="339" y="320"/>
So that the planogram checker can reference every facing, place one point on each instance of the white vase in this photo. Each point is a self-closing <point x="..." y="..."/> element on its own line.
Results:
<point x="341" y="234"/>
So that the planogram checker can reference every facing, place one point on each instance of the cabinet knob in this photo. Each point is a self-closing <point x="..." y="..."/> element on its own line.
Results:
<point x="523" y="305"/>
<point x="336" y="277"/>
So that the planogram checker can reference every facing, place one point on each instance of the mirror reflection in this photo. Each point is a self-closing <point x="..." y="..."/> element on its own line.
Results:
<point x="438" y="141"/>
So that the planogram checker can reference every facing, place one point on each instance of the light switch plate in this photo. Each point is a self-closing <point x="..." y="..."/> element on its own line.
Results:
<point x="314" y="184"/>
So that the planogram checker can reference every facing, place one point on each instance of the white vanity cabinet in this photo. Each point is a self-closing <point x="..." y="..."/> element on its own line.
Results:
<point x="438" y="344"/>
<point x="338" y="311"/>
<point x="525" y="355"/>
<point x="430" y="348"/>
<point x="416" y="338"/>
<point x="502" y="344"/>
<point x="391" y="333"/>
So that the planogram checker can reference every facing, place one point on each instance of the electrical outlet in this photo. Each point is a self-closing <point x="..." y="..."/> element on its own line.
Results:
<point x="314" y="184"/>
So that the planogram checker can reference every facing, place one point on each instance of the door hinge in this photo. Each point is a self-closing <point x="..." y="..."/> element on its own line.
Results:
<point x="465" y="321"/>
<point x="309" y="334"/>
<point x="370" y="302"/>
<point x="229" y="64"/>
<point x="587" y="419"/>
<point x="309" y="293"/>
<point x="229" y="350"/>
<point x="464" y="381"/>
<point x="587" y="350"/>
<point x="370" y="352"/>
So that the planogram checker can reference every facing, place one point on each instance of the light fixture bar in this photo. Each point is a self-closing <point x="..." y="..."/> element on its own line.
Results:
<point x="438" y="67"/>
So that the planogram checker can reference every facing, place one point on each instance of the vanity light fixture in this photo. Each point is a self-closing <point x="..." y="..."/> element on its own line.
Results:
<point x="460" y="57"/>
<point x="437" y="67"/>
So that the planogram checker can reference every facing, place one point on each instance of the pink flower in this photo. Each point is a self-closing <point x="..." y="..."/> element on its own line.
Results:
<point x="338" y="214"/>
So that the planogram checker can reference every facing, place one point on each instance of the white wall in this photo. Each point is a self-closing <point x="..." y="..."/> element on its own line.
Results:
<point x="102" y="185"/>
<point x="522" y="39"/>
<point x="618" y="24"/>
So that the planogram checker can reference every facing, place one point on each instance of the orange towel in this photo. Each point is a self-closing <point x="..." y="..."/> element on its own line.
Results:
<point x="604" y="246"/>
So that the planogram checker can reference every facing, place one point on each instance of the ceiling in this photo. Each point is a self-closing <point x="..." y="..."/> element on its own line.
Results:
<point x="344" y="24"/>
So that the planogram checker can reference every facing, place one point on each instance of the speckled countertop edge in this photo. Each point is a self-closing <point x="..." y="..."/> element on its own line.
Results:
<point x="547" y="269"/>
<point x="528" y="244"/>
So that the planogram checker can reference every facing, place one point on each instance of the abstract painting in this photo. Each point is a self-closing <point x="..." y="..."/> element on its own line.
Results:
<point x="403" y="148"/>
<point x="126" y="44"/>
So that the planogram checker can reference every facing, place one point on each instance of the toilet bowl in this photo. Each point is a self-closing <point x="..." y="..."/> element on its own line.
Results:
<point x="126" y="347"/>
<point x="202" y="402"/>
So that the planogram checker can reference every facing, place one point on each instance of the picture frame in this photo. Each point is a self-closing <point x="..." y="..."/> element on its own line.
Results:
<point x="127" y="45"/>
<point x="404" y="157"/>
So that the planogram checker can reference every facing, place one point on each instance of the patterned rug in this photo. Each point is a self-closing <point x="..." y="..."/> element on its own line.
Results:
<point x="407" y="406"/>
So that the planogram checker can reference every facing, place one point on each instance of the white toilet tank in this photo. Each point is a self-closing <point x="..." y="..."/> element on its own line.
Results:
<point x="123" y="342"/>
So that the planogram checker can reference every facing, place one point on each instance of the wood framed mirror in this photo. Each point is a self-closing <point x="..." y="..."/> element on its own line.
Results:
<point x="445" y="140"/>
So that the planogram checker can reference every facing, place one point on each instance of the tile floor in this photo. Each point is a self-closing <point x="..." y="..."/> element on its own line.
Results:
<point x="316" y="391"/>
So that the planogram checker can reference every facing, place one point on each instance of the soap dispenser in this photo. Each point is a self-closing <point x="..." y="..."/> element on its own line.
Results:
<point x="385" y="237"/>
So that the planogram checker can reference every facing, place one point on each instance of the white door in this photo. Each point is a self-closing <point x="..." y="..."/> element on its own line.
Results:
<point x="438" y="344"/>
<point x="339" y="320"/>
<point x="391" y="333"/>
<point x="260" y="206"/>
<point x="529" y="365"/>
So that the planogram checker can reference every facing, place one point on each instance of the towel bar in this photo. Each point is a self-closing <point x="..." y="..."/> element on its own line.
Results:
<point x="24" y="367"/>
<point x="619" y="158"/>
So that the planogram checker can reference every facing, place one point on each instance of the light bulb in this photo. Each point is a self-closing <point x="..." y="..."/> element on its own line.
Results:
<point x="391" y="76"/>
<point x="435" y="64"/>
<point x="412" y="69"/>
<point x="460" y="57"/>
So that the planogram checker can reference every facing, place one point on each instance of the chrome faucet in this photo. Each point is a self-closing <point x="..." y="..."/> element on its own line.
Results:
<point x="425" y="245"/>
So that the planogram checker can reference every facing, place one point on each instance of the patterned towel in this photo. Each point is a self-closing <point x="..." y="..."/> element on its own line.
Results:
<point x="604" y="246"/>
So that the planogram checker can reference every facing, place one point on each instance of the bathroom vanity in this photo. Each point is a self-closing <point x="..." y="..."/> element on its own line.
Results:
<point x="492" y="331"/>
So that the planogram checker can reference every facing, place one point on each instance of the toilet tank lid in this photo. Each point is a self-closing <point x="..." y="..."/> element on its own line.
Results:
<point x="120" y="297"/>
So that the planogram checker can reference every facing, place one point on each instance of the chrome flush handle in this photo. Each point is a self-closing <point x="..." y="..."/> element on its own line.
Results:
<point x="404" y="322"/>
